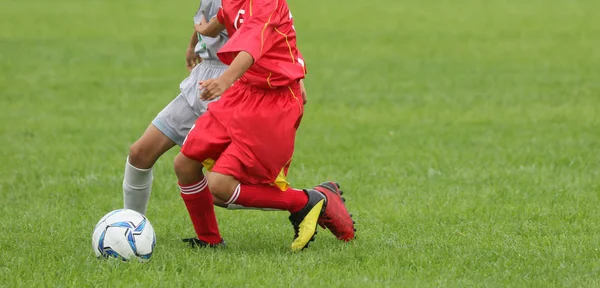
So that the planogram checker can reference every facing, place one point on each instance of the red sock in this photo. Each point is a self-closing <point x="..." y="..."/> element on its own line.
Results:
<point x="265" y="196"/>
<point x="199" y="203"/>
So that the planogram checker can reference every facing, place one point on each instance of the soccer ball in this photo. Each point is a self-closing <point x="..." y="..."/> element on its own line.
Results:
<point x="124" y="234"/>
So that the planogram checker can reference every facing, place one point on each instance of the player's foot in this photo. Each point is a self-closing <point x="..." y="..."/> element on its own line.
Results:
<point x="336" y="217"/>
<point x="305" y="220"/>
<point x="197" y="243"/>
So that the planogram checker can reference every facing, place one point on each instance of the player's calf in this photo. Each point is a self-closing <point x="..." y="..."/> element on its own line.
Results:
<point x="305" y="206"/>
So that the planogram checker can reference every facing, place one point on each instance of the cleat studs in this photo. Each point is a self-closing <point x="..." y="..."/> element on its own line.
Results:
<point x="341" y="192"/>
<point x="343" y="199"/>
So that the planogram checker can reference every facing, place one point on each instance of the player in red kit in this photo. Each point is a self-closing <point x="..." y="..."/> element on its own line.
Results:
<point x="246" y="139"/>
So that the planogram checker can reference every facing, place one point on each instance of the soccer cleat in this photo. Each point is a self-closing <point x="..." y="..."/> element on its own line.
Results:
<point x="305" y="220"/>
<point x="336" y="217"/>
<point x="197" y="243"/>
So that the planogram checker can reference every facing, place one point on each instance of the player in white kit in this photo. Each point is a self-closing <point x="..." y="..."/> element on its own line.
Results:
<point x="172" y="124"/>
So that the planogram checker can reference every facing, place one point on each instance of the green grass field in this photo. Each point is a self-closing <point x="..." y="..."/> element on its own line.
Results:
<point x="466" y="135"/>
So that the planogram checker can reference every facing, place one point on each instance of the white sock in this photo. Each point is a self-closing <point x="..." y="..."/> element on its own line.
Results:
<point x="137" y="185"/>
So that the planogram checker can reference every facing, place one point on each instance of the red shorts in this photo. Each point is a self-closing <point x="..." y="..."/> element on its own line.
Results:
<point x="248" y="134"/>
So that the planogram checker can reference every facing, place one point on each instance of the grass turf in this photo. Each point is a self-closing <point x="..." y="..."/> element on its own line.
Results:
<point x="465" y="134"/>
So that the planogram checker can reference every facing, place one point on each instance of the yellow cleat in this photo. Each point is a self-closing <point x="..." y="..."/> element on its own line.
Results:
<point x="305" y="220"/>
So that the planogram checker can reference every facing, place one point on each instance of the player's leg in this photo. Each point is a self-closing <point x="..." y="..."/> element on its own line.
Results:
<point x="168" y="128"/>
<point x="335" y="217"/>
<point x="205" y="141"/>
<point x="198" y="201"/>
<point x="251" y="171"/>
<point x="137" y="180"/>
<point x="305" y="206"/>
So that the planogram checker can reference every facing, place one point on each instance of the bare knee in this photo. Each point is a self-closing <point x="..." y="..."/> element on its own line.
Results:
<point x="188" y="171"/>
<point x="141" y="156"/>
<point x="146" y="150"/>
<point x="222" y="186"/>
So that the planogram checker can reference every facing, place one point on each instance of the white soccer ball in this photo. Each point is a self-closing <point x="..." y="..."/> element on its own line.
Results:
<point x="124" y="234"/>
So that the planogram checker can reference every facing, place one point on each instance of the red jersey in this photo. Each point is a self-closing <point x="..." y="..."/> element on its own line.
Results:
<point x="264" y="29"/>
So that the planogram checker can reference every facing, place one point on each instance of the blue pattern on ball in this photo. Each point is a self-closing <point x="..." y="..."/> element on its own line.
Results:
<point x="123" y="224"/>
<point x="131" y="241"/>
<point x="101" y="242"/>
<point x="138" y="230"/>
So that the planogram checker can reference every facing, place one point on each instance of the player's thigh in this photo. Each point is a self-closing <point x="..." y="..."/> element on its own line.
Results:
<point x="176" y="119"/>
<point x="206" y="140"/>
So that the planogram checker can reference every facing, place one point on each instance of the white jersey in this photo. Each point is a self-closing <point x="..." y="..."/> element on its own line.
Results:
<point x="208" y="47"/>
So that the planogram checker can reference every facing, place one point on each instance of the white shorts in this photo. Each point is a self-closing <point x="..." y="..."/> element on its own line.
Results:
<point x="177" y="118"/>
